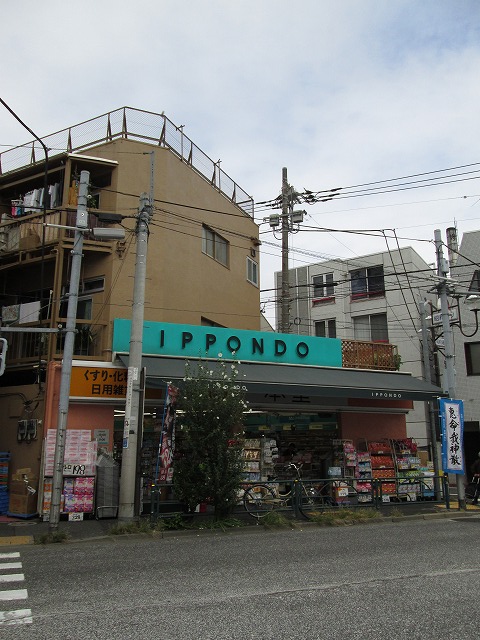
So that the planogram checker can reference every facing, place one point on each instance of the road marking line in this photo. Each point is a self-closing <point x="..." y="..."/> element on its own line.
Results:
<point x="10" y="565"/>
<point x="12" y="554"/>
<point x="13" y="594"/>
<point x="20" y="616"/>
<point x="12" y="577"/>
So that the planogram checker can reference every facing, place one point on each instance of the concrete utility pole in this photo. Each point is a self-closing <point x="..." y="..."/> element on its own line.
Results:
<point x="68" y="349"/>
<point x="285" y="324"/>
<point x="131" y="427"/>
<point x="449" y="379"/>
<point x="432" y="434"/>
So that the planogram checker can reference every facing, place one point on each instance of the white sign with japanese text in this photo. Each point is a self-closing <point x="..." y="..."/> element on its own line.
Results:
<point x="451" y="415"/>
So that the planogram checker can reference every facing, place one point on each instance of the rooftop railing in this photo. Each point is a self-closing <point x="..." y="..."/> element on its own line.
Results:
<point x="131" y="124"/>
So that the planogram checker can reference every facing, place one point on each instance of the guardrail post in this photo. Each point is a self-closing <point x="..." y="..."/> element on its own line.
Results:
<point x="446" y="491"/>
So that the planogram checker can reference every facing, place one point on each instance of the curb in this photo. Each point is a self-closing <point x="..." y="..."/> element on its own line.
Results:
<point x="248" y="529"/>
<point x="14" y="540"/>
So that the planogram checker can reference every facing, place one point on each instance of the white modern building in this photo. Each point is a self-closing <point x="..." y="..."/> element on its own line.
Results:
<point x="373" y="298"/>
<point x="465" y="272"/>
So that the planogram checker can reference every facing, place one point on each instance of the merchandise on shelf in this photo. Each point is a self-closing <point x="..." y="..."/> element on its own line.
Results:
<point x="252" y="451"/>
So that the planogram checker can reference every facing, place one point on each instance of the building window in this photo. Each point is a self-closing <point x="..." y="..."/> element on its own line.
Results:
<point x="472" y="358"/>
<point x="323" y="288"/>
<point x="215" y="246"/>
<point x="326" y="328"/>
<point x="252" y="271"/>
<point x="92" y="285"/>
<point x="372" y="328"/>
<point x="368" y="282"/>
<point x="84" y="308"/>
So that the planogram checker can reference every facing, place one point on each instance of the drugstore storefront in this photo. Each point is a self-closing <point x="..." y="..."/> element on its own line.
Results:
<point x="301" y="400"/>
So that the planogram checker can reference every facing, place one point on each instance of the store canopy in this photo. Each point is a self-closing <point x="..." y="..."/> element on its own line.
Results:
<point x="294" y="381"/>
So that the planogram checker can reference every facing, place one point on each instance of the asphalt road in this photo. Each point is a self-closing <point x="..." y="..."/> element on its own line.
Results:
<point x="416" y="579"/>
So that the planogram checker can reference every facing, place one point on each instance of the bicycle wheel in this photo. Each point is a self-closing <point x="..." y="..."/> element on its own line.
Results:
<point x="312" y="502"/>
<point x="259" y="500"/>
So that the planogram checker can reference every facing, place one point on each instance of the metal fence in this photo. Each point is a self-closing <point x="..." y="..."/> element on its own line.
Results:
<point x="131" y="124"/>
<point x="303" y="497"/>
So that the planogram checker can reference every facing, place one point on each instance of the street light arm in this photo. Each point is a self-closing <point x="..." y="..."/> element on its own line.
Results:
<point x="467" y="335"/>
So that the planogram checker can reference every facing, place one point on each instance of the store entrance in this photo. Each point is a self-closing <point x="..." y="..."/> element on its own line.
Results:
<point x="303" y="438"/>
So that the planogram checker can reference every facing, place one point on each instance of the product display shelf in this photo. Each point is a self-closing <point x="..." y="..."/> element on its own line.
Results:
<point x="252" y="454"/>
<point x="383" y="467"/>
<point x="363" y="474"/>
<point x="408" y="469"/>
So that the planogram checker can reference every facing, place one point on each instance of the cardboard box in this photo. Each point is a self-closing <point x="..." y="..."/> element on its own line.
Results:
<point x="23" y="505"/>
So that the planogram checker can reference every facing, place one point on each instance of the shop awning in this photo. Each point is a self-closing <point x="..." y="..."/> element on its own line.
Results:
<point x="267" y="380"/>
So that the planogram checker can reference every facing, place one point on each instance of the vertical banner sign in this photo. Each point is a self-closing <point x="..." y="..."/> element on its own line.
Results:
<point x="129" y="419"/>
<point x="167" y="437"/>
<point x="451" y="416"/>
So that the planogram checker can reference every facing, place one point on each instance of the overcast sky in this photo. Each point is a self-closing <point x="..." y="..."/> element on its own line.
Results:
<point x="341" y="92"/>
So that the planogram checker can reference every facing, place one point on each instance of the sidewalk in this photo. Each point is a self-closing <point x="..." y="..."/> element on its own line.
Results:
<point x="16" y="531"/>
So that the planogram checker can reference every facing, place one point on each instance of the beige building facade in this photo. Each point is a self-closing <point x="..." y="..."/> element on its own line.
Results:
<point x="202" y="264"/>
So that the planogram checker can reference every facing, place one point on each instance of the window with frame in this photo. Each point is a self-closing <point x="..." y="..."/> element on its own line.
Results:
<point x="373" y="328"/>
<point x="84" y="308"/>
<point x="215" y="246"/>
<point x="367" y="282"/>
<point x="92" y="285"/>
<point x="323" y="288"/>
<point x="472" y="358"/>
<point x="252" y="271"/>
<point x="326" y="328"/>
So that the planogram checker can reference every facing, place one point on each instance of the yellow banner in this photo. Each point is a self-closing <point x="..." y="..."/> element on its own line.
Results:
<point x="98" y="382"/>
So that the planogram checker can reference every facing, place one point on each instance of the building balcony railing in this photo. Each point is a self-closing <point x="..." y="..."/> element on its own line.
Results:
<point x="21" y="237"/>
<point x="26" y="347"/>
<point x="359" y="354"/>
<point x="132" y="124"/>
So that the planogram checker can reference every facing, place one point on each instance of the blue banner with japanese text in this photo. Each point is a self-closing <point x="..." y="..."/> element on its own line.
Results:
<point x="451" y="416"/>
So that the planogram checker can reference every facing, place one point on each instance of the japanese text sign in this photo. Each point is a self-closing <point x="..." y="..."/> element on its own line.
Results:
<point x="98" y="382"/>
<point x="451" y="416"/>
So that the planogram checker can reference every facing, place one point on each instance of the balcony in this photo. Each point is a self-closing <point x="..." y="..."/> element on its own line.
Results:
<point x="358" y="354"/>
<point x="21" y="238"/>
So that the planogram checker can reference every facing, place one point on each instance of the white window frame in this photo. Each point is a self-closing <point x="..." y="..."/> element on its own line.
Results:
<point x="328" y="323"/>
<point x="215" y="246"/>
<point x="252" y="271"/>
<point x="324" y="291"/>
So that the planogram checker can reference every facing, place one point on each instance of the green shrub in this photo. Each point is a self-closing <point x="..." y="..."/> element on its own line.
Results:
<point x="52" y="537"/>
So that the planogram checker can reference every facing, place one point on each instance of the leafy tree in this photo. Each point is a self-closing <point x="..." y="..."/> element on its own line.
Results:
<point x="210" y="414"/>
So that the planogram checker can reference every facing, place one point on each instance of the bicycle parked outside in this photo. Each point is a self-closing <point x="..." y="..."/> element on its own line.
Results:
<point x="261" y="498"/>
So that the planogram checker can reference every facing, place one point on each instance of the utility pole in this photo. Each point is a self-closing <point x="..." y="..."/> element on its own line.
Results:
<point x="449" y="379"/>
<point x="131" y="427"/>
<point x="285" y="323"/>
<point x="428" y="378"/>
<point x="68" y="349"/>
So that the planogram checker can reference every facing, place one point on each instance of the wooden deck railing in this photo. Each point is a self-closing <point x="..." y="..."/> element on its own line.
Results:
<point x="359" y="354"/>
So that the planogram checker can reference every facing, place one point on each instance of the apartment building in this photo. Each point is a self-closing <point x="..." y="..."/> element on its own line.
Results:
<point x="371" y="302"/>
<point x="465" y="273"/>
<point x="202" y="267"/>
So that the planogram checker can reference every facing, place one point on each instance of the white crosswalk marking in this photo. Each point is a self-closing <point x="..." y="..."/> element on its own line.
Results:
<point x="20" y="616"/>
<point x="14" y="616"/>
<point x="12" y="577"/>
<point x="10" y="565"/>
<point x="13" y="594"/>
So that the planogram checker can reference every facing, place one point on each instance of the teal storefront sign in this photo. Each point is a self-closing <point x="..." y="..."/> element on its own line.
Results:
<point x="192" y="341"/>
